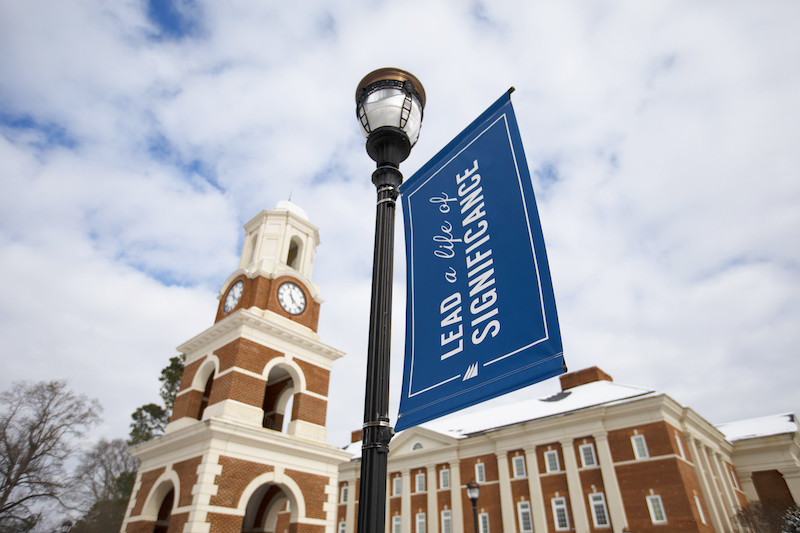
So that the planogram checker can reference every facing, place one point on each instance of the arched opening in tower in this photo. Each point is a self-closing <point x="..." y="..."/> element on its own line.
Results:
<point x="278" y="395"/>
<point x="293" y="259"/>
<point x="164" y="513"/>
<point x="269" y="510"/>
<point x="206" y="396"/>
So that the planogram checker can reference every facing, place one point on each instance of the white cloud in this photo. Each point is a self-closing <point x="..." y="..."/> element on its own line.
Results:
<point x="128" y="165"/>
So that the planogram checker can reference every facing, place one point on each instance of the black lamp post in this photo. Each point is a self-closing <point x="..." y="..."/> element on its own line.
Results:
<point x="389" y="105"/>
<point x="473" y="490"/>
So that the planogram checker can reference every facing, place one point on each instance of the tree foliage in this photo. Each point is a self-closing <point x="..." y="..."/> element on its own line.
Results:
<point x="103" y="483"/>
<point x="150" y="420"/>
<point x="40" y="426"/>
<point x="768" y="517"/>
<point x="791" y="521"/>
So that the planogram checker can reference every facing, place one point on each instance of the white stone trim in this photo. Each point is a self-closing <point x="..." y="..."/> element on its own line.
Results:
<point x="288" y="486"/>
<point x="157" y="493"/>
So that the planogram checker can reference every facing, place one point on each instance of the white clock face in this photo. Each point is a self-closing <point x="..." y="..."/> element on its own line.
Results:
<point x="292" y="298"/>
<point x="234" y="294"/>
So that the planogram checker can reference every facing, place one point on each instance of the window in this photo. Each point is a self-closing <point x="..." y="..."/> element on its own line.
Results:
<point x="397" y="524"/>
<point x="416" y="446"/>
<point x="447" y="521"/>
<point x="519" y="466"/>
<point x="560" y="513"/>
<point x="733" y="479"/>
<point x="587" y="455"/>
<point x="525" y="518"/>
<point x="657" y="515"/>
<point x="342" y="526"/>
<point x="444" y="478"/>
<point x="639" y="447"/>
<point x="480" y="473"/>
<point x="680" y="446"/>
<point x="483" y="523"/>
<point x="420" y="482"/>
<point x="700" y="509"/>
<point x="420" y="522"/>
<point x="551" y="461"/>
<point x="597" y="502"/>
<point x="397" y="486"/>
<point x="343" y="494"/>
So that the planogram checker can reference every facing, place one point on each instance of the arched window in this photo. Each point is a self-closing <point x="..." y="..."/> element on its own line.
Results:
<point x="206" y="396"/>
<point x="278" y="396"/>
<point x="293" y="259"/>
<point x="164" y="513"/>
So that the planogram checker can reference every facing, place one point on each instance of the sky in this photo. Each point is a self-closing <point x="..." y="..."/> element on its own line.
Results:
<point x="138" y="136"/>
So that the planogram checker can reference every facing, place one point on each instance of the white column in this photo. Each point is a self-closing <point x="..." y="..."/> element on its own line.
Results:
<point x="724" y="476"/>
<point x="506" y="500"/>
<point x="388" y="520"/>
<point x="350" y="512"/>
<point x="792" y="479"/>
<point x="432" y="513"/>
<point x="535" y="489"/>
<point x="455" y="496"/>
<point x="405" y="501"/>
<point x="616" y="507"/>
<point x="705" y="454"/>
<point x="748" y="487"/>
<point x="579" y="515"/>
<point x="696" y="448"/>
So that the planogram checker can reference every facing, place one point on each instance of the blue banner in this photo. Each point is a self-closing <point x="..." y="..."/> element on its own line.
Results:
<point x="481" y="316"/>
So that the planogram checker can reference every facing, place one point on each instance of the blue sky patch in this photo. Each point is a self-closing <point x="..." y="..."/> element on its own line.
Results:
<point x="175" y="19"/>
<point x="45" y="134"/>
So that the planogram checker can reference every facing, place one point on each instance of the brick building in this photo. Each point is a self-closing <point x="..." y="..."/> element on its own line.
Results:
<point x="246" y="445"/>
<point x="596" y="457"/>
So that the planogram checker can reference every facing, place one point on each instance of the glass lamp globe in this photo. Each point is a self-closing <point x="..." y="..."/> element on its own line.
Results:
<point x="390" y="101"/>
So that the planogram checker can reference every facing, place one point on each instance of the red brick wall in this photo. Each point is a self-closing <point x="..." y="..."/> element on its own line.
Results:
<point x="239" y="387"/>
<point x="148" y="479"/>
<point x="187" y="474"/>
<point x="187" y="405"/>
<point x="245" y="354"/>
<point x="177" y="521"/>
<point x="144" y="526"/>
<point x="771" y="487"/>
<point x="467" y="468"/>
<point x="306" y="528"/>
<point x="236" y="475"/>
<point x="309" y="408"/>
<point x="188" y="373"/>
<point x="224" y="523"/>
<point x="667" y="478"/>
<point x="316" y="378"/>
<point x="313" y="488"/>
<point x="659" y="437"/>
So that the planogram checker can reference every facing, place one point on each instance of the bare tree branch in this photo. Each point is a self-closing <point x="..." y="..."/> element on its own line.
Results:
<point x="40" y="426"/>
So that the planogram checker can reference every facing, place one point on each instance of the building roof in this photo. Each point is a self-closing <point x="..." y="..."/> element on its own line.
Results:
<point x="759" y="427"/>
<point x="574" y="399"/>
<point x="286" y="205"/>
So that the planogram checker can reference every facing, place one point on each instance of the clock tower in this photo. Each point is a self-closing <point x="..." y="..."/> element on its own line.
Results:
<point x="245" y="449"/>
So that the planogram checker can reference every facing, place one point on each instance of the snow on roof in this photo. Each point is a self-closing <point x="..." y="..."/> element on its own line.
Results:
<point x="574" y="399"/>
<point x="759" y="427"/>
<point x="286" y="205"/>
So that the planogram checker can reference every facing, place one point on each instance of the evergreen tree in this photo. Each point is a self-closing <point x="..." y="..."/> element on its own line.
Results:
<point x="150" y="420"/>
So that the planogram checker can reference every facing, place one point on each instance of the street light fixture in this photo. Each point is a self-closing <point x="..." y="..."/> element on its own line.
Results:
<point x="473" y="490"/>
<point x="389" y="104"/>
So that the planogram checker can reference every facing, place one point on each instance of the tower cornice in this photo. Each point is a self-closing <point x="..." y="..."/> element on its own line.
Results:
<point x="266" y="322"/>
